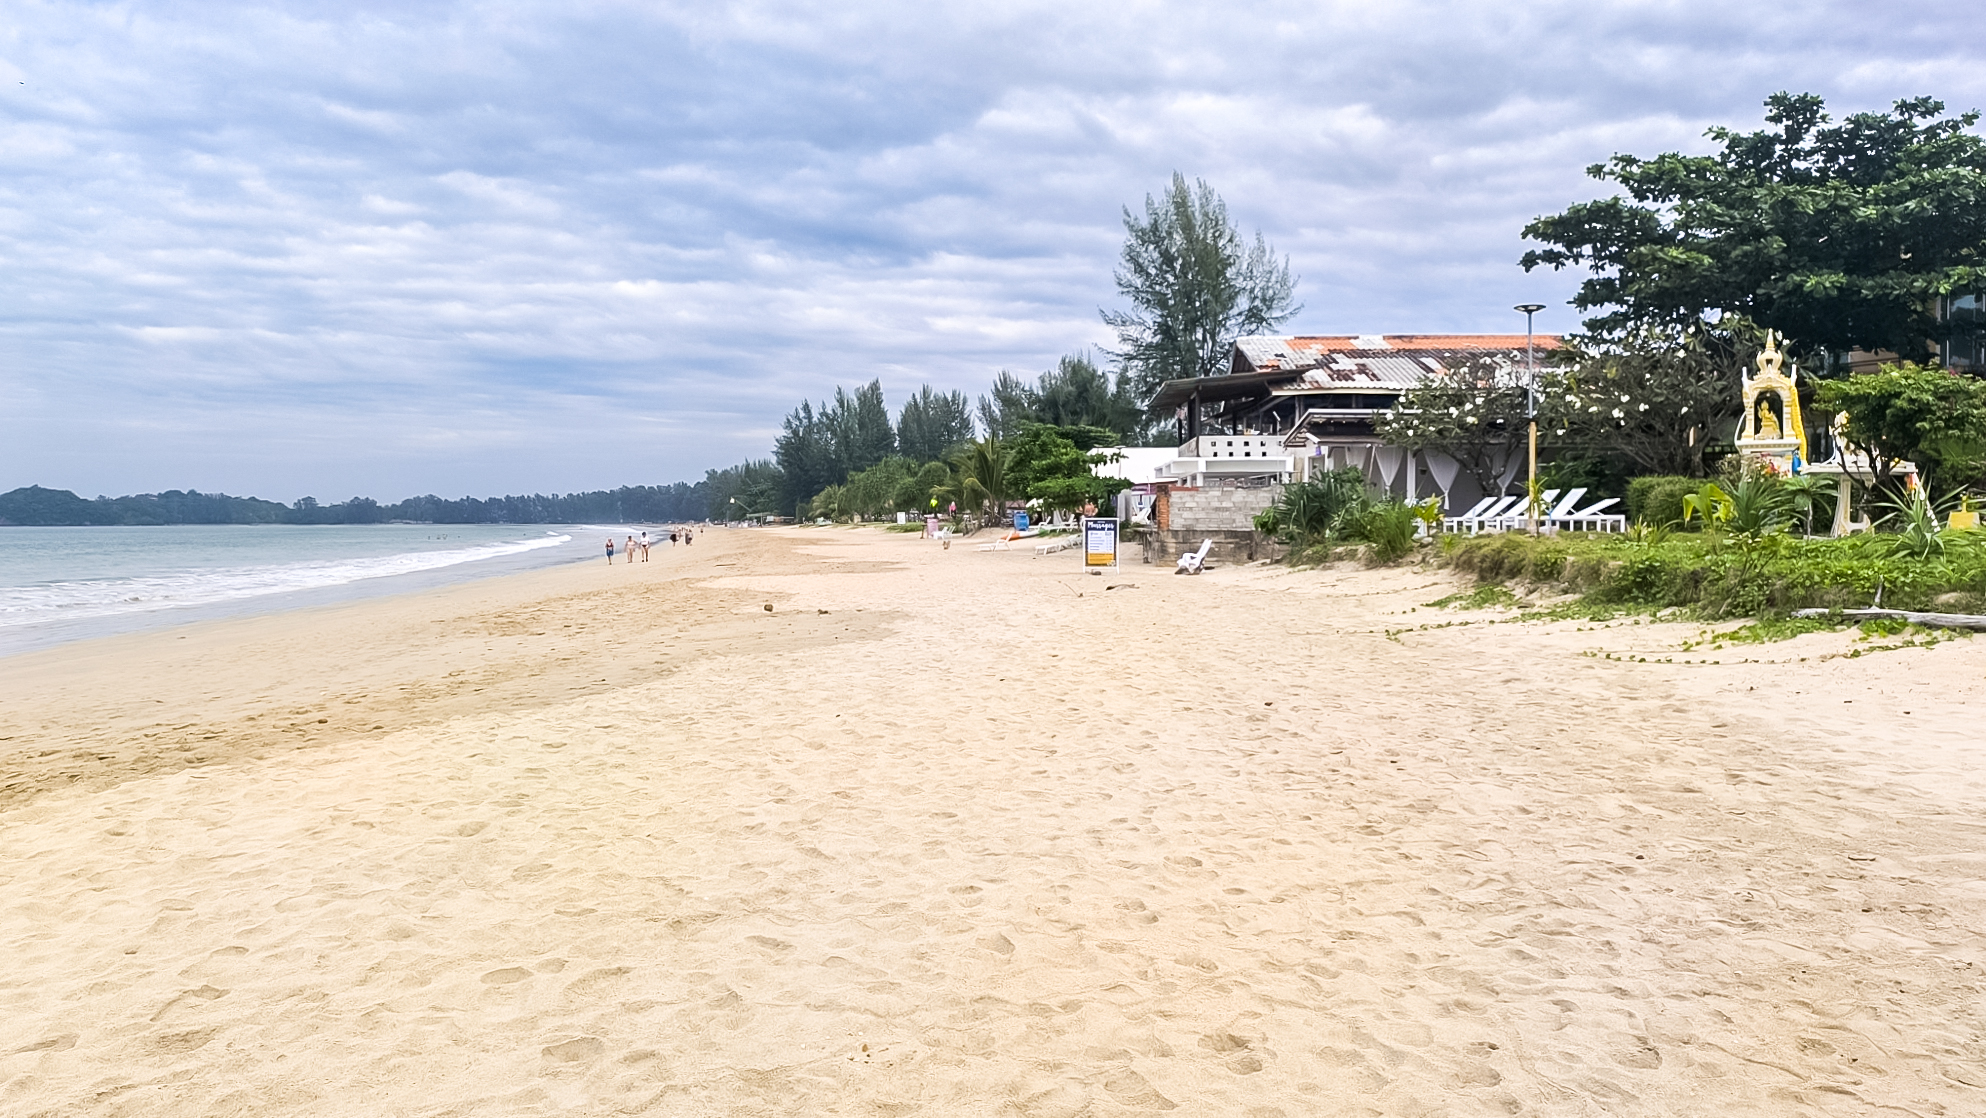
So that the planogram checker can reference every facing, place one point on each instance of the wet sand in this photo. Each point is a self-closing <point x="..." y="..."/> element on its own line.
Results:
<point x="958" y="833"/>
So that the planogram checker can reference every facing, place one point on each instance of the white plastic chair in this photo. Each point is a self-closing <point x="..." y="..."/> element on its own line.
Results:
<point x="1193" y="562"/>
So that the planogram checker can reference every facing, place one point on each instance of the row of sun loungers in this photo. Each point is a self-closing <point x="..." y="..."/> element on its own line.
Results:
<point x="1506" y="514"/>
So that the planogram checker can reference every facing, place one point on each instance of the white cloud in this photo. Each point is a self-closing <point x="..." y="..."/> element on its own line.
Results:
<point x="481" y="247"/>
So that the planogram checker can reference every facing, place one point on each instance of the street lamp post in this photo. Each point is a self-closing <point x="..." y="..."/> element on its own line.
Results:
<point x="1531" y="412"/>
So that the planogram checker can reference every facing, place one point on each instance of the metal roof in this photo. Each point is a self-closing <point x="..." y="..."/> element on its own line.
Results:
<point x="1263" y="352"/>
<point x="1308" y="364"/>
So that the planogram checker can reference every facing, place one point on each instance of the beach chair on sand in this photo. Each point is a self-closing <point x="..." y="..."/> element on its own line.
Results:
<point x="1053" y="546"/>
<point x="1193" y="562"/>
<point x="1001" y="542"/>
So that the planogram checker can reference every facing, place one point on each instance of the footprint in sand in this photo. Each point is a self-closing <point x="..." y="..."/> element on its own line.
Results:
<point x="1131" y="1089"/>
<point x="594" y="981"/>
<point x="506" y="976"/>
<point x="576" y="1049"/>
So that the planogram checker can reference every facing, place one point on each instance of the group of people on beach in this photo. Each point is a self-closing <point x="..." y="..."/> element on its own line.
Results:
<point x="684" y="535"/>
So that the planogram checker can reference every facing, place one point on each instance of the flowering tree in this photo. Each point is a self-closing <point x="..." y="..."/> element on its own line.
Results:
<point x="1655" y="396"/>
<point x="1475" y="415"/>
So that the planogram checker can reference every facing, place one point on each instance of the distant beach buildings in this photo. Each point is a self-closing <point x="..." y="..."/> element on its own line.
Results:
<point x="1290" y="407"/>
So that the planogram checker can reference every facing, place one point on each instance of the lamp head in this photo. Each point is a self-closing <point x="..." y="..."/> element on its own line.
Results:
<point x="1530" y="308"/>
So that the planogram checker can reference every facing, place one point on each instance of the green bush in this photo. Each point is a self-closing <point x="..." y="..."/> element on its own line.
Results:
<point x="1389" y="527"/>
<point x="1658" y="498"/>
<point x="1327" y="505"/>
<point x="1713" y="579"/>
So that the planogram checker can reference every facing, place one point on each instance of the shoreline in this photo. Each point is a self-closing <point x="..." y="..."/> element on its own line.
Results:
<point x="954" y="832"/>
<point x="507" y="553"/>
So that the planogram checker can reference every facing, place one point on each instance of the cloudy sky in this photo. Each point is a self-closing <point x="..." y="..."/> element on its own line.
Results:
<point x="342" y="248"/>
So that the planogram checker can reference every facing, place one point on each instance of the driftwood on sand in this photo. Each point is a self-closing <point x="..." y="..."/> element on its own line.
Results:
<point x="1972" y="621"/>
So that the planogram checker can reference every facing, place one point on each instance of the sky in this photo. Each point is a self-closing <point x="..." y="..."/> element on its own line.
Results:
<point x="336" y="249"/>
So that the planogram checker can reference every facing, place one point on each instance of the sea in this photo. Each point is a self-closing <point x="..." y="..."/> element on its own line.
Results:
<point x="64" y="584"/>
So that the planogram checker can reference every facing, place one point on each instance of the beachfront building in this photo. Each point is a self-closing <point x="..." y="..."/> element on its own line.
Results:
<point x="1290" y="407"/>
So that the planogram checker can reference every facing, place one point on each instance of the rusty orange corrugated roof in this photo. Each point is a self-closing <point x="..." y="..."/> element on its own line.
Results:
<point x="1328" y="343"/>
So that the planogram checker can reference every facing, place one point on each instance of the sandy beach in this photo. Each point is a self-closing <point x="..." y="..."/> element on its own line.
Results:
<point x="957" y="833"/>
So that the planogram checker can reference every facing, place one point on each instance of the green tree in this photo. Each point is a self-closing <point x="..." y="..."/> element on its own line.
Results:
<point x="1194" y="286"/>
<point x="1654" y="396"/>
<point x="757" y="486"/>
<point x="983" y="488"/>
<point x="861" y="428"/>
<point x="1842" y="236"/>
<point x="931" y="424"/>
<point x="1056" y="466"/>
<point x="1009" y="408"/>
<point x="1928" y="416"/>
<point x="1075" y="393"/>
<point x="805" y="452"/>
<point x="1078" y="394"/>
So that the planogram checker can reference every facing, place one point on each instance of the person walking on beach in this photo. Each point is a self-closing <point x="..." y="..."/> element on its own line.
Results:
<point x="610" y="551"/>
<point x="630" y="549"/>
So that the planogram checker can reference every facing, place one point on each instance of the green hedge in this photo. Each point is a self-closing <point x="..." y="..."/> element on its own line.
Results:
<point x="1726" y="581"/>
<point x="1658" y="499"/>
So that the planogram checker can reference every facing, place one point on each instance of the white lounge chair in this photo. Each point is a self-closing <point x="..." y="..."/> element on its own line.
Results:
<point x="1482" y="520"/>
<point x="1454" y="523"/>
<point x="1518" y="516"/>
<point x="1001" y="542"/>
<point x="1595" y="518"/>
<point x="1564" y="507"/>
<point x="1053" y="546"/>
<point x="1193" y="562"/>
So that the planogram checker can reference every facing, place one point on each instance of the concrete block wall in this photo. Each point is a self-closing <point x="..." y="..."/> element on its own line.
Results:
<point x="1219" y="510"/>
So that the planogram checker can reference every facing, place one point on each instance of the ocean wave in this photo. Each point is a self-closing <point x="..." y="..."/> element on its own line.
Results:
<point x="87" y="598"/>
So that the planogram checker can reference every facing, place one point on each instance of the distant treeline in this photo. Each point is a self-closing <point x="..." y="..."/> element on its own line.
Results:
<point x="647" y="504"/>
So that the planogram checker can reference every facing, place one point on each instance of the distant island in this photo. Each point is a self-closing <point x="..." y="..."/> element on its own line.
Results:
<point x="35" y="506"/>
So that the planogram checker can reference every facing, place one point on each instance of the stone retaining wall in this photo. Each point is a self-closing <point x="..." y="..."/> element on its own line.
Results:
<point x="1230" y="547"/>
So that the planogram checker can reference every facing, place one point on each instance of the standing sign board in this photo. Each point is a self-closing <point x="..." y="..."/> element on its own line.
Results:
<point x="1100" y="541"/>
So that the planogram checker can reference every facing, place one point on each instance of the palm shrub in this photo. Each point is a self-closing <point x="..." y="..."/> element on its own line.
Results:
<point x="1389" y="527"/>
<point x="1811" y="496"/>
<point x="1918" y="532"/>
<point x="1323" y="507"/>
<point x="1760" y="505"/>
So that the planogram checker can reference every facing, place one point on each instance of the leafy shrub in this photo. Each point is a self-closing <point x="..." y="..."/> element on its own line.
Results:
<point x="1389" y="527"/>
<point x="1712" y="580"/>
<point x="1326" y="505"/>
<point x="1760" y="505"/>
<point x="1658" y="498"/>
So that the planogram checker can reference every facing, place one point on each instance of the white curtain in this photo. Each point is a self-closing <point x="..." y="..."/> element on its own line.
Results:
<point x="1389" y="458"/>
<point x="1445" y="471"/>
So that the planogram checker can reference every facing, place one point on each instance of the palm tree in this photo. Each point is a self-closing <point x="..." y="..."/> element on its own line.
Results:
<point x="982" y="466"/>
